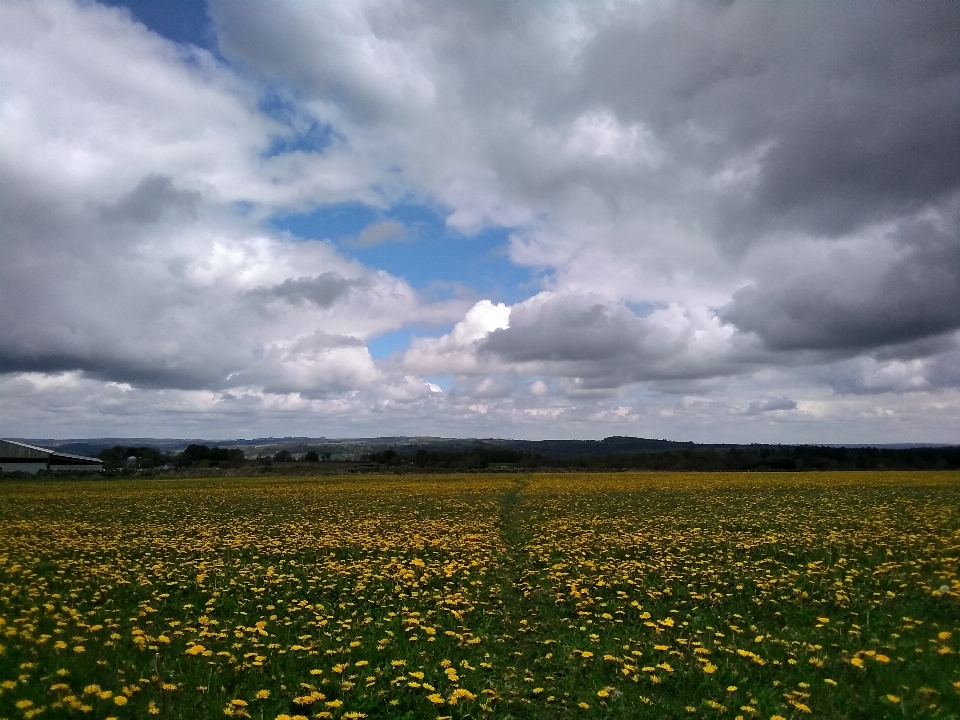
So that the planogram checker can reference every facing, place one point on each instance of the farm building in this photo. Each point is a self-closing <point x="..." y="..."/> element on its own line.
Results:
<point x="20" y="457"/>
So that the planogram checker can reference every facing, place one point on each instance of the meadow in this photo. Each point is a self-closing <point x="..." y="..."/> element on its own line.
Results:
<point x="628" y="595"/>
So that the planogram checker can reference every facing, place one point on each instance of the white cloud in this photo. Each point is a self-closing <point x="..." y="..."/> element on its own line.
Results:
<point x="728" y="203"/>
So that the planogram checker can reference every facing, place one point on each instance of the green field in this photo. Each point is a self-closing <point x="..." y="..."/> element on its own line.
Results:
<point x="643" y="595"/>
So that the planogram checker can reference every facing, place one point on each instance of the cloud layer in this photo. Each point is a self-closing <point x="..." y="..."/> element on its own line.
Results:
<point x="745" y="218"/>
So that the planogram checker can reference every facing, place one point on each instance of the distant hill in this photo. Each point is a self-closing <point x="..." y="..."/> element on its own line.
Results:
<point x="351" y="448"/>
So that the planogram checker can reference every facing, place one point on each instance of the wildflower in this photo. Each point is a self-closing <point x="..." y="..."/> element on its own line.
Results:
<point x="436" y="699"/>
<point x="262" y="694"/>
<point x="893" y="698"/>
<point x="585" y="706"/>
<point x="463" y="694"/>
<point x="120" y="700"/>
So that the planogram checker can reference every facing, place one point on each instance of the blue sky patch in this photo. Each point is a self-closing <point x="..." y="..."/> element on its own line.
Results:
<point x="385" y="345"/>
<point x="183" y="21"/>
<point x="306" y="134"/>
<point x="427" y="254"/>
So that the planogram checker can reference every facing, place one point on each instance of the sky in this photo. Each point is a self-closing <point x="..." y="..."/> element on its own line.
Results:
<point x="718" y="222"/>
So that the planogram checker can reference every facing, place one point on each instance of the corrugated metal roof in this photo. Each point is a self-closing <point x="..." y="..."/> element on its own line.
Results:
<point x="22" y="451"/>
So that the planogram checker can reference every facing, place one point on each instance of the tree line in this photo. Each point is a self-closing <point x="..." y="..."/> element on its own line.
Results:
<point x="704" y="459"/>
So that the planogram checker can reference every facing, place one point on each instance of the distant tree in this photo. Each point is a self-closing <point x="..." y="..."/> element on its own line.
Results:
<point x="386" y="457"/>
<point x="147" y="457"/>
<point x="312" y="456"/>
<point x="282" y="456"/>
<point x="194" y="453"/>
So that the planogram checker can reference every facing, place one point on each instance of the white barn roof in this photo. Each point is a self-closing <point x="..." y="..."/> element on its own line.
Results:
<point x="15" y="455"/>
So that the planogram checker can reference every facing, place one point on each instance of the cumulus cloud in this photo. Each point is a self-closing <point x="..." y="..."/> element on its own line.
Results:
<point x="603" y="345"/>
<point x="129" y="262"/>
<point x="723" y="202"/>
<point x="455" y="352"/>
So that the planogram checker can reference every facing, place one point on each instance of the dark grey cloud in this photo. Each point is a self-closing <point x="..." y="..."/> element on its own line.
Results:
<point x="759" y="407"/>
<point x="851" y="107"/>
<point x="380" y="232"/>
<point x="859" y="298"/>
<point x="150" y="200"/>
<point x="323" y="290"/>
<point x="112" y="364"/>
